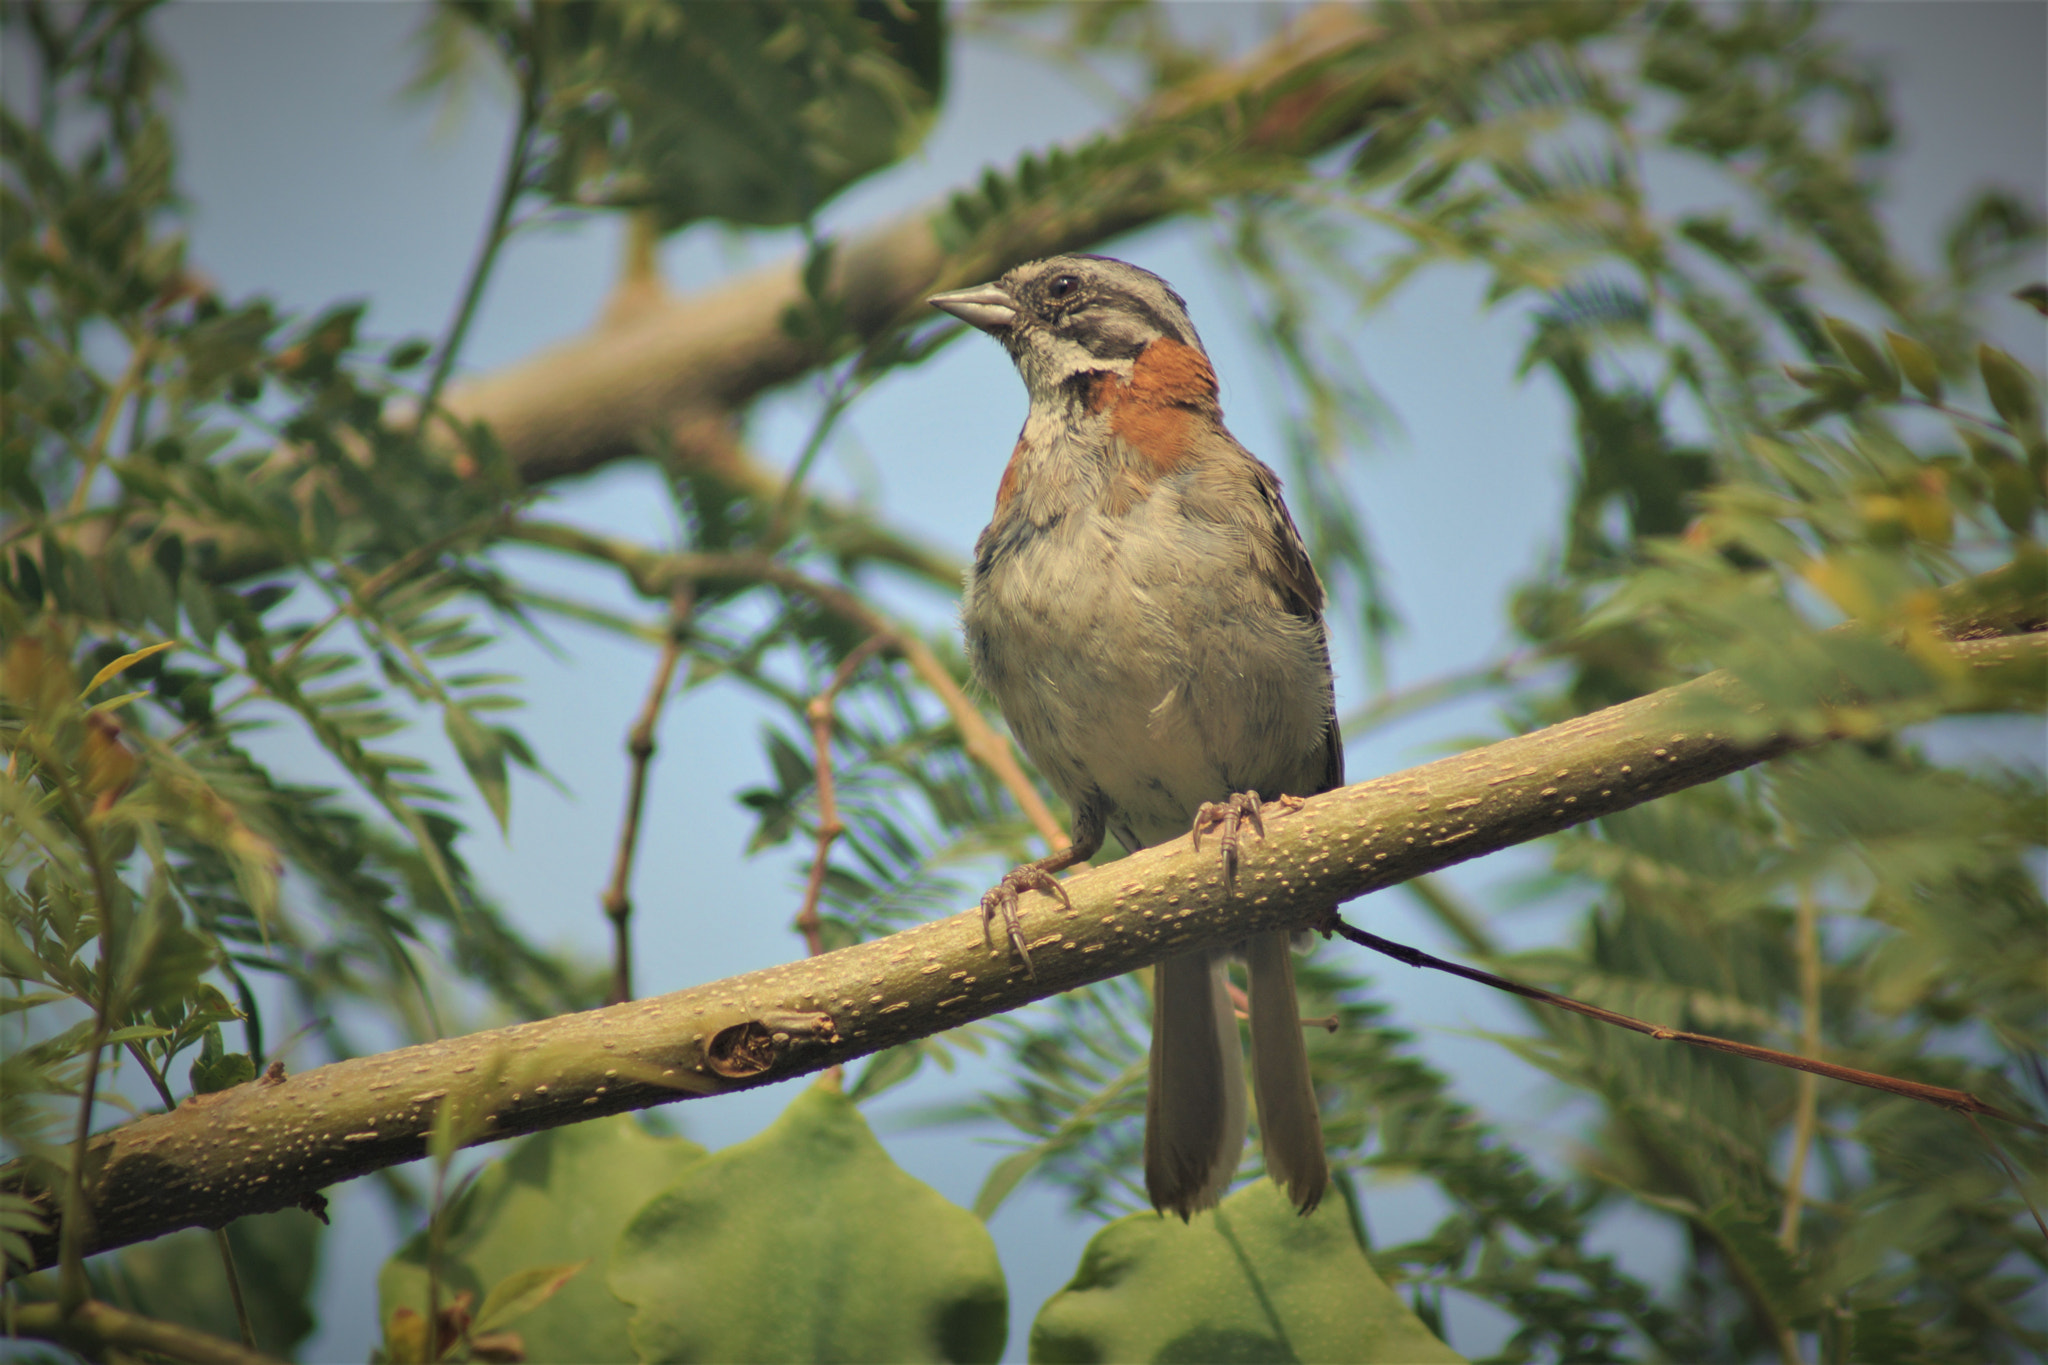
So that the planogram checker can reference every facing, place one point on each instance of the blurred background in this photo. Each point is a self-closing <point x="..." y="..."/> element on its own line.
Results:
<point x="312" y="176"/>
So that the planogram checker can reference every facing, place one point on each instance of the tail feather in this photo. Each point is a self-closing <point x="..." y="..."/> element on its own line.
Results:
<point x="1290" y="1126"/>
<point x="1195" y="1105"/>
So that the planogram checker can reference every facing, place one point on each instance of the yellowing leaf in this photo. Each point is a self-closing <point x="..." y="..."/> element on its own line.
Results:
<point x="123" y="664"/>
<point x="1840" y="584"/>
<point x="110" y="765"/>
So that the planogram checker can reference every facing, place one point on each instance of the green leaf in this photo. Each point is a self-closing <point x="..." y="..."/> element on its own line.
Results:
<point x="407" y="354"/>
<point x="523" y="1291"/>
<point x="135" y="1033"/>
<point x="755" y="113"/>
<point x="11" y="1004"/>
<point x="482" y="750"/>
<point x="215" y="1068"/>
<point x="2010" y="387"/>
<point x="1250" y="1281"/>
<point x="867" y="1262"/>
<point x="1866" y="355"/>
<point x="1762" y="1262"/>
<point x="197" y="599"/>
<point x="19" y="1215"/>
<point x="557" y="1195"/>
<point x="1917" y="363"/>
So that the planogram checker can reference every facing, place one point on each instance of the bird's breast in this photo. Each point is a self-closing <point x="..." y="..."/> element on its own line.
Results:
<point x="1134" y="651"/>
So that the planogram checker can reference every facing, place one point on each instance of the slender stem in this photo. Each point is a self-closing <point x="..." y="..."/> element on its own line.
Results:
<point x="653" y="573"/>
<point x="436" y="1223"/>
<point x="73" y="1290"/>
<point x="819" y="712"/>
<point x="103" y="430"/>
<point x="510" y="187"/>
<point x="1392" y="706"/>
<point x="830" y="827"/>
<point x="1961" y="1101"/>
<point x="837" y="400"/>
<point x="2019" y="1184"/>
<point x="618" y="904"/>
<point x="1807" y="946"/>
<point x="96" y="1327"/>
<point x="227" y="1252"/>
<point x="227" y="1263"/>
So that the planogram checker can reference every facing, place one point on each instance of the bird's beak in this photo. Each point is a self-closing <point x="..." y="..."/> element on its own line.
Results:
<point x="986" y="306"/>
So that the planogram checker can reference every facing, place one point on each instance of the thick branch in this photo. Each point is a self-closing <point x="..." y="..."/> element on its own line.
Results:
<point x="275" y="1142"/>
<point x="685" y="364"/>
<point x="589" y="400"/>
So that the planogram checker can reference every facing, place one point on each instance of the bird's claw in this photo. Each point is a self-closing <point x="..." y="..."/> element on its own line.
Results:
<point x="1228" y="815"/>
<point x="1001" y="899"/>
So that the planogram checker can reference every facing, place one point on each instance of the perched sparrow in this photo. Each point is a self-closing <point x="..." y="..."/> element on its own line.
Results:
<point x="1143" y="611"/>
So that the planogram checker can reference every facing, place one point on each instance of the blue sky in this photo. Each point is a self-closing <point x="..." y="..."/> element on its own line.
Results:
<point x="310" y="179"/>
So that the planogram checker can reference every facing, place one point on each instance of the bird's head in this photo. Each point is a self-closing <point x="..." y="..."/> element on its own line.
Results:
<point x="1066" y="317"/>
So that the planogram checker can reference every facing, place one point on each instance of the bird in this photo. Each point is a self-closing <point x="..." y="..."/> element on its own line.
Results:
<point x="1144" y="613"/>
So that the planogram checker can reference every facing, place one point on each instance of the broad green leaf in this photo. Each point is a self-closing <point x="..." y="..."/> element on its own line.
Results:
<point x="557" y="1196"/>
<point x="861" y="1261"/>
<point x="1252" y="1280"/>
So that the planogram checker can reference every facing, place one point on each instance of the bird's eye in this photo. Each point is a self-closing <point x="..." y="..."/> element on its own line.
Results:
<point x="1063" y="286"/>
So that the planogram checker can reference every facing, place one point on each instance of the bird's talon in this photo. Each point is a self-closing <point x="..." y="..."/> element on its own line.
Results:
<point x="1227" y="816"/>
<point x="1002" y="899"/>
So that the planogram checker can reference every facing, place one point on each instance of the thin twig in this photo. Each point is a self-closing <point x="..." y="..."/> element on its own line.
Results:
<point x="73" y="1289"/>
<point x="1961" y="1101"/>
<point x="1807" y="944"/>
<point x="652" y="573"/>
<point x="838" y="399"/>
<point x="510" y="188"/>
<point x="95" y="1327"/>
<point x="618" y="904"/>
<point x="819" y="712"/>
<point x="220" y="1235"/>
<point x="103" y="430"/>
<point x="1392" y="706"/>
<point x="1998" y="1155"/>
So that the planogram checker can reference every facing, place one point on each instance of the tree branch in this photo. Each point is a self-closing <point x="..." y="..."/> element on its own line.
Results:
<point x="685" y="364"/>
<point x="275" y="1141"/>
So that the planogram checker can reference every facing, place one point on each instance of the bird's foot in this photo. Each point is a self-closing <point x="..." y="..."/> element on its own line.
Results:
<point x="1228" y="816"/>
<point x="1001" y="899"/>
